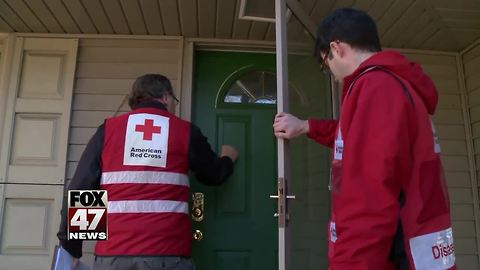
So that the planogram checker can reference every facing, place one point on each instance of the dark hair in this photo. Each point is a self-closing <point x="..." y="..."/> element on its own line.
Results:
<point x="148" y="87"/>
<point x="352" y="26"/>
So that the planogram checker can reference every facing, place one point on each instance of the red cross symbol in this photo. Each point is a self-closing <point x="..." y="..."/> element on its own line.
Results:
<point x="148" y="129"/>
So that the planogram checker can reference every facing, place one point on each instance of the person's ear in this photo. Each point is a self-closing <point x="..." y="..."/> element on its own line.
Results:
<point x="337" y="49"/>
<point x="163" y="99"/>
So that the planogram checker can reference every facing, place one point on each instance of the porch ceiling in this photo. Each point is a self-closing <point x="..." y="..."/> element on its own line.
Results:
<point x="418" y="24"/>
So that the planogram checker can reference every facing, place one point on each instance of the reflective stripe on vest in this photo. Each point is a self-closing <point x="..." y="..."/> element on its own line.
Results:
<point x="145" y="177"/>
<point x="147" y="206"/>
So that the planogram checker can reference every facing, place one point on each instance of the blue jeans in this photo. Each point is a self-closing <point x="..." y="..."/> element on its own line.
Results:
<point x="142" y="263"/>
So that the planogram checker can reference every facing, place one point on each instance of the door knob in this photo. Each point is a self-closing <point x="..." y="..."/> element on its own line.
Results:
<point x="197" y="235"/>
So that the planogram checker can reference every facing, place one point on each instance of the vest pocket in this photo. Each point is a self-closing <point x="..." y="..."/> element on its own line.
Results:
<point x="433" y="190"/>
<point x="336" y="176"/>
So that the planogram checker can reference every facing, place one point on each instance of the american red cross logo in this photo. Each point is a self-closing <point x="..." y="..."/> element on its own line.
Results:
<point x="148" y="129"/>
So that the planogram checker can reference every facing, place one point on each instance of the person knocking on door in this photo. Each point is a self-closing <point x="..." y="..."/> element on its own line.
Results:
<point x="142" y="159"/>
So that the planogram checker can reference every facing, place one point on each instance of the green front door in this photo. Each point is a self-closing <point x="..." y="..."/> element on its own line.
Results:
<point x="233" y="103"/>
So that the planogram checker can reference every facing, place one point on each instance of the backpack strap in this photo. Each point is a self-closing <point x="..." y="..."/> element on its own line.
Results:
<point x="386" y="70"/>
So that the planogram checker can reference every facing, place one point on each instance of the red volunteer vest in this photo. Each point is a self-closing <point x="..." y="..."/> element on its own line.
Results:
<point x="144" y="170"/>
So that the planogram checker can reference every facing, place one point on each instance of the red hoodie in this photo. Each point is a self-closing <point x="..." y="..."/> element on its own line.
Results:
<point x="386" y="169"/>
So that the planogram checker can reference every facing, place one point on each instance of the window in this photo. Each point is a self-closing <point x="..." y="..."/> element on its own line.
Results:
<point x="259" y="87"/>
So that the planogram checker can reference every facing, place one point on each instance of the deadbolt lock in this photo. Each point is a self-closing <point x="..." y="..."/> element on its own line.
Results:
<point x="197" y="212"/>
<point x="198" y="206"/>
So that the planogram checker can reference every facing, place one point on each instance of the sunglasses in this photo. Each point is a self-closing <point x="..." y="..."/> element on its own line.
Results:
<point x="177" y="101"/>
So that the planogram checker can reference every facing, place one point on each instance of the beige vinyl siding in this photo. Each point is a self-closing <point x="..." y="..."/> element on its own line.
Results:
<point x="106" y="69"/>
<point x="471" y="69"/>
<point x="3" y="90"/>
<point x="450" y="124"/>
<point x="471" y="61"/>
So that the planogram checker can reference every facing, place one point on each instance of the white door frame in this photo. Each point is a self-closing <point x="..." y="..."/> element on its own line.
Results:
<point x="283" y="170"/>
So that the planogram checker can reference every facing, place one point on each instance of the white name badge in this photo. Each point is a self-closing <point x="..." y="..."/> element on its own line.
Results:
<point x="436" y="142"/>
<point x="338" y="150"/>
<point x="146" y="141"/>
<point x="333" y="232"/>
<point x="338" y="147"/>
<point x="433" y="251"/>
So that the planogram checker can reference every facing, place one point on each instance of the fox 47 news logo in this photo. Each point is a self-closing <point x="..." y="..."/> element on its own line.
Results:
<point x="87" y="215"/>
